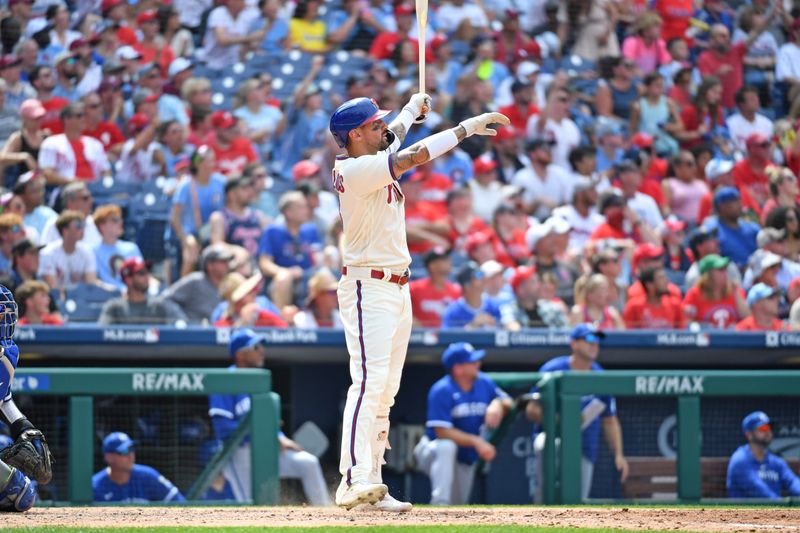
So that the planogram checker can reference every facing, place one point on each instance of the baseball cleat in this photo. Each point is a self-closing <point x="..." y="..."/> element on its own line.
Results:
<point x="390" y="504"/>
<point x="19" y="494"/>
<point x="359" y="493"/>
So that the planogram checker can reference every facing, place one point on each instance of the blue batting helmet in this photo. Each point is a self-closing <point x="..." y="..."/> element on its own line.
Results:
<point x="9" y="309"/>
<point x="353" y="114"/>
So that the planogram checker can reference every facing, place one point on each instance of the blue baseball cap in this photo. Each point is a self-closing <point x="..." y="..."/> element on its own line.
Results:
<point x="587" y="332"/>
<point x="758" y="292"/>
<point x="118" y="442"/>
<point x="754" y="420"/>
<point x="726" y="194"/>
<point x="461" y="352"/>
<point x="243" y="340"/>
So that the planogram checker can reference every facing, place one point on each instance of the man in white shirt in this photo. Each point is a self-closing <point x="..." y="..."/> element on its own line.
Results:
<point x="545" y="185"/>
<point x="453" y="15"/>
<point x="787" y="66"/>
<point x="75" y="197"/>
<point x="748" y="120"/>
<point x="581" y="214"/>
<point x="630" y="177"/>
<point x="553" y="123"/>
<point x="67" y="262"/>
<point x="227" y="30"/>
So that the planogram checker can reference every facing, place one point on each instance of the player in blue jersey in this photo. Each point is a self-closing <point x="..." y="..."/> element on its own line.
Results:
<point x="596" y="411"/>
<point x="248" y="349"/>
<point x="17" y="492"/>
<point x="754" y="471"/>
<point x="125" y="481"/>
<point x="461" y="407"/>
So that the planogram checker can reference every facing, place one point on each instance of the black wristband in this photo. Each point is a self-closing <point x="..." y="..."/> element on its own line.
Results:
<point x="21" y="425"/>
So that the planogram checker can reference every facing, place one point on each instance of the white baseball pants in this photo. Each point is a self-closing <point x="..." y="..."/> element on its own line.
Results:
<point x="292" y="464"/>
<point x="451" y="481"/>
<point x="376" y="315"/>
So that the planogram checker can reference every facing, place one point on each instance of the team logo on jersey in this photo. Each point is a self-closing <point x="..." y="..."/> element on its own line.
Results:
<point x="338" y="181"/>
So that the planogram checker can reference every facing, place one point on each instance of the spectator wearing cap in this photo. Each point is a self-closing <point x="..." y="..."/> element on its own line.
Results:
<point x="68" y="74"/>
<point x="262" y="122"/>
<point x="433" y="294"/>
<point x="17" y="91"/>
<point x="276" y="27"/>
<point x="545" y="185"/>
<point x="233" y="151"/>
<point x="24" y="264"/>
<point x="244" y="310"/>
<point x="773" y="241"/>
<point x="498" y="289"/>
<point x="647" y="256"/>
<point x="71" y="156"/>
<point x="112" y="250"/>
<point x="598" y="412"/>
<point x="110" y="92"/>
<point x="684" y="191"/>
<point x="763" y="268"/>
<point x="77" y="197"/>
<point x="548" y="243"/>
<point x="656" y="308"/>
<point x="591" y="304"/>
<point x="68" y="262"/>
<point x="152" y="46"/>
<point x="237" y="224"/>
<point x="756" y="472"/>
<point x="129" y="66"/>
<point x="193" y="203"/>
<point x="30" y="190"/>
<point x="715" y="301"/>
<point x="719" y="174"/>
<point x="306" y="121"/>
<point x="309" y="172"/>
<point x="105" y="131"/>
<point x="530" y="308"/>
<point x="608" y="138"/>
<point x="460" y="406"/>
<point x="125" y="481"/>
<point x="513" y="43"/>
<point x="136" y="305"/>
<point x="141" y="159"/>
<point x="321" y="307"/>
<point x="508" y="236"/>
<point x="287" y="249"/>
<point x="388" y="39"/>
<point x="737" y="237"/>
<point x="474" y="310"/>
<point x="435" y="188"/>
<point x="676" y="258"/>
<point x="702" y="242"/>
<point x="43" y="79"/>
<point x="629" y="178"/>
<point x="89" y="71"/>
<point x="787" y="68"/>
<point x="227" y="34"/>
<point x="170" y="105"/>
<point x="424" y="229"/>
<point x="229" y="284"/>
<point x="748" y="121"/>
<point x="522" y="106"/>
<point x="197" y="293"/>
<point x="763" y="301"/>
<point x="19" y="153"/>
<point x="486" y="190"/>
<point x="751" y="172"/>
<point x="505" y="150"/>
<point x="783" y="191"/>
<point x="553" y="123"/>
<point x="33" y="298"/>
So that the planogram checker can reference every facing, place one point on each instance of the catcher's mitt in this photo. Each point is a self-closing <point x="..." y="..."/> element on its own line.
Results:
<point x="31" y="455"/>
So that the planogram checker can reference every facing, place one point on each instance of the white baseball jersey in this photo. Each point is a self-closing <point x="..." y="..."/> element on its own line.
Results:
<point x="373" y="212"/>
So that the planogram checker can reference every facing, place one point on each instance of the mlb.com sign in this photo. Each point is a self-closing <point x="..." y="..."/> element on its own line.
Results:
<point x="669" y="384"/>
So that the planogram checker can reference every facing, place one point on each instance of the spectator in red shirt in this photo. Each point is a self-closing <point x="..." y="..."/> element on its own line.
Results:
<point x="705" y="113"/>
<point x="725" y="61"/>
<point x="153" y="47"/>
<point x="385" y="42"/>
<point x="33" y="298"/>
<point x="676" y="15"/>
<point x="750" y="173"/>
<point x="715" y="300"/>
<point x="763" y="301"/>
<point x="424" y="229"/>
<point x="116" y="11"/>
<point x="430" y="296"/>
<point x="461" y="217"/>
<point x="621" y="221"/>
<point x="233" y="151"/>
<point x="645" y="257"/>
<point x="479" y="247"/>
<point x="104" y="131"/>
<point x="656" y="309"/>
<point x="511" y="248"/>
<point x="523" y="107"/>
<point x="435" y="187"/>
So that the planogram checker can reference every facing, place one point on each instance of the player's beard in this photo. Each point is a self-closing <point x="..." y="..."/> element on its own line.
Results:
<point x="386" y="139"/>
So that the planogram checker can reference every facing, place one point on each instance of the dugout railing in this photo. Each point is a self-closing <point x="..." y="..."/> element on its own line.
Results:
<point x="82" y="385"/>
<point x="560" y="395"/>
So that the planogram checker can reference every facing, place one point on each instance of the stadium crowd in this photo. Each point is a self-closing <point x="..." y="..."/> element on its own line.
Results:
<point x="172" y="159"/>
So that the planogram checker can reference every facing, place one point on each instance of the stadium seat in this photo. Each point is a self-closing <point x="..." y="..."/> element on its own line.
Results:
<point x="84" y="302"/>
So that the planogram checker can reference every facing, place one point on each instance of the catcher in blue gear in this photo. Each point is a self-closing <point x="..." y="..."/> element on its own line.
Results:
<point x="28" y="456"/>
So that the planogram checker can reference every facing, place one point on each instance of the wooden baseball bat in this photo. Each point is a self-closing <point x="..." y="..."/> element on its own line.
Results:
<point x="422" y="25"/>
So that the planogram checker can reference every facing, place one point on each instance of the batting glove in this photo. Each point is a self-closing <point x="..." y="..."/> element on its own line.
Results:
<point x="480" y="125"/>
<point x="415" y="105"/>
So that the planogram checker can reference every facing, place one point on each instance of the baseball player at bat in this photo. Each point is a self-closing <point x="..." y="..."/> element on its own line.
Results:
<point x="28" y="456"/>
<point x="373" y="292"/>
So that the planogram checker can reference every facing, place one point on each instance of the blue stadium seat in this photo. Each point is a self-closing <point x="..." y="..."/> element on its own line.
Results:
<point x="84" y="302"/>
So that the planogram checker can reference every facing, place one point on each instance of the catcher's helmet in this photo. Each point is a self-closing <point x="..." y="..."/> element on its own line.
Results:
<point x="353" y="114"/>
<point x="9" y="317"/>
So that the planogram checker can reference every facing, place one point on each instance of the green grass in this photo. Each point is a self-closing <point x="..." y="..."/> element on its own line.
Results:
<point x="371" y="529"/>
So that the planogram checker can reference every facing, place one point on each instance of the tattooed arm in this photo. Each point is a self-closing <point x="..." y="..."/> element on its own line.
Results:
<point x="418" y="153"/>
